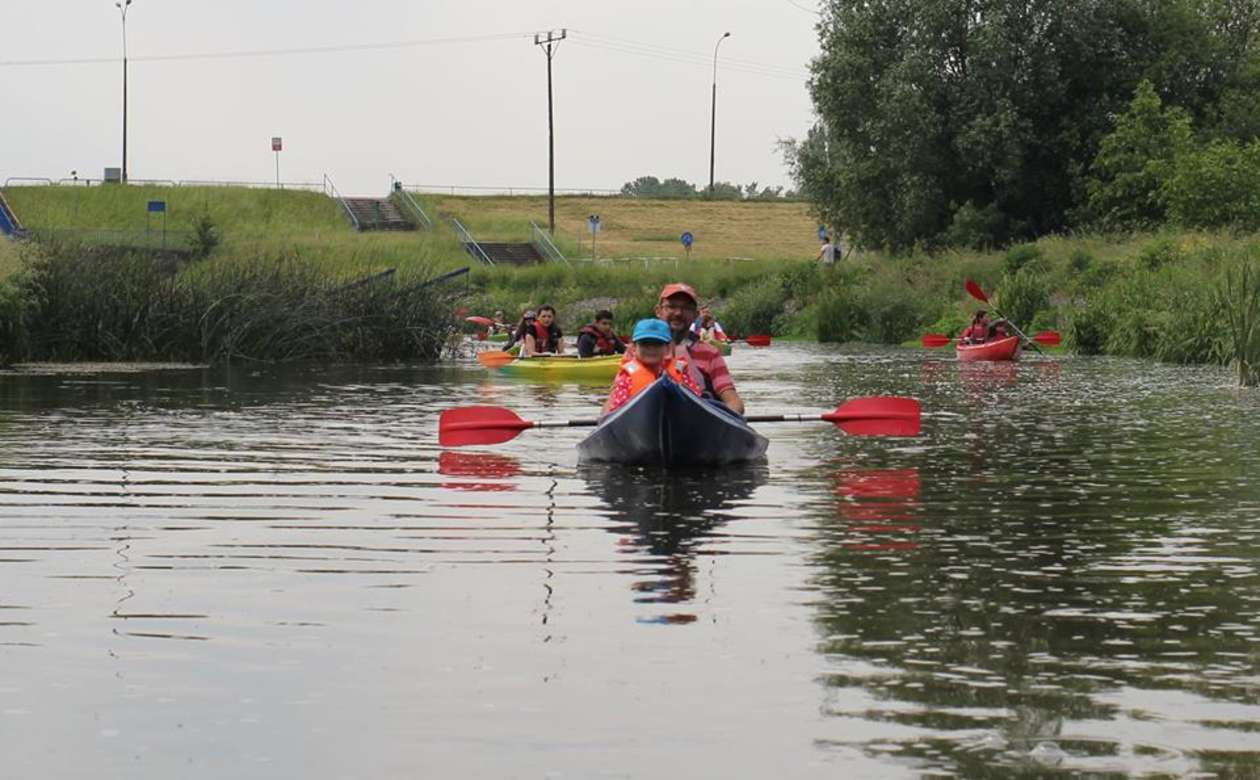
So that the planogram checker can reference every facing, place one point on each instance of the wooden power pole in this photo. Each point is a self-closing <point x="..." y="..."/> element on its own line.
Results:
<point x="550" y="43"/>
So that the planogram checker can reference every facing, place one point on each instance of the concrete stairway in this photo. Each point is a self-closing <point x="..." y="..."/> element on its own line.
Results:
<point x="378" y="214"/>
<point x="511" y="254"/>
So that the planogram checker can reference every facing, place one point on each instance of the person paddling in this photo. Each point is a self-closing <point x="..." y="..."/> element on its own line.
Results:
<point x="545" y="337"/>
<point x="978" y="331"/>
<point x="598" y="338"/>
<point x="707" y="328"/>
<point x="678" y="306"/>
<point x="651" y="358"/>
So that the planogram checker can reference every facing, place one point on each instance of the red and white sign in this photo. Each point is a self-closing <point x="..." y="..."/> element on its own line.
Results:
<point x="275" y="143"/>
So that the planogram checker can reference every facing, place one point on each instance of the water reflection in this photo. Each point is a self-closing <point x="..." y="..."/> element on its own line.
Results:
<point x="464" y="463"/>
<point x="667" y="519"/>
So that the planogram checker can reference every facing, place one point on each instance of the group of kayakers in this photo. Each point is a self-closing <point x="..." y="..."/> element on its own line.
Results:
<point x="679" y="341"/>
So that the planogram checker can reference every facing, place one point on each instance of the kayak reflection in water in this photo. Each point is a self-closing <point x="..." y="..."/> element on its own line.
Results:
<point x="982" y="330"/>
<point x="666" y="519"/>
<point x="646" y="364"/>
<point x="678" y="306"/>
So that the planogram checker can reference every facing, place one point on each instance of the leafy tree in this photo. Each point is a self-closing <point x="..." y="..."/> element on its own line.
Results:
<point x="994" y="108"/>
<point x="1127" y="177"/>
<point x="643" y="186"/>
<point x="1217" y="186"/>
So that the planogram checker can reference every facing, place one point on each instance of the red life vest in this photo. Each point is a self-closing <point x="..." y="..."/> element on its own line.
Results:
<point x="546" y="339"/>
<point x="605" y="344"/>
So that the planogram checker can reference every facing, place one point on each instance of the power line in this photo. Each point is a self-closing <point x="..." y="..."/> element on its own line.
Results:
<point x="225" y="55"/>
<point x="795" y="4"/>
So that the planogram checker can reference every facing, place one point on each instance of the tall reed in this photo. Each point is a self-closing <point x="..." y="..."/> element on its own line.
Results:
<point x="1238" y="300"/>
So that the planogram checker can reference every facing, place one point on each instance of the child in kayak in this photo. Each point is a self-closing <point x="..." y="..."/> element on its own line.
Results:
<point x="652" y="339"/>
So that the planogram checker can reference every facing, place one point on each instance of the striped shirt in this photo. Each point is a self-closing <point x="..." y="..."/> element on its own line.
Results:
<point x="706" y="360"/>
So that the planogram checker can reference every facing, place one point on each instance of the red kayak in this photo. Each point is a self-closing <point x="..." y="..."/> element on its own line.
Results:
<point x="1001" y="349"/>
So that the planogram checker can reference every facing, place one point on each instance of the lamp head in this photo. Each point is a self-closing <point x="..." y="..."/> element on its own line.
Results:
<point x="724" y="35"/>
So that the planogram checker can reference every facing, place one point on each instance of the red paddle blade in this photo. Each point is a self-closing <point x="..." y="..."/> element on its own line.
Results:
<point x="974" y="291"/>
<point x="758" y="340"/>
<point x="1050" y="338"/>
<point x="877" y="416"/>
<point x="935" y="339"/>
<point x="479" y="425"/>
<point x="494" y="359"/>
<point x="483" y="321"/>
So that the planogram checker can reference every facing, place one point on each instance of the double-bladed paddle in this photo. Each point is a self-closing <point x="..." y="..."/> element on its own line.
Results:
<point x="872" y="416"/>
<point x="1050" y="338"/>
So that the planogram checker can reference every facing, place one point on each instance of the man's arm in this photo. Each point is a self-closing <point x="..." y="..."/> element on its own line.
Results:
<point x="732" y="399"/>
<point x="559" y="343"/>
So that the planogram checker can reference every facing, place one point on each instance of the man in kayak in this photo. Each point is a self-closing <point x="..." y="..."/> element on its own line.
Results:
<point x="678" y="306"/>
<point x="545" y="337"/>
<point x="598" y="338"/>
<point x="651" y="358"/>
<point x="707" y="328"/>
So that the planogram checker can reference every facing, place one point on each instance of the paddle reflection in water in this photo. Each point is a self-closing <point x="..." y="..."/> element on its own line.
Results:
<point x="500" y="468"/>
<point x="880" y="506"/>
<point x="671" y="516"/>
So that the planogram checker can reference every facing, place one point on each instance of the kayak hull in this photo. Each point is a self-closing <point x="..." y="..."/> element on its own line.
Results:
<point x="559" y="369"/>
<point x="666" y="425"/>
<point x="1002" y="349"/>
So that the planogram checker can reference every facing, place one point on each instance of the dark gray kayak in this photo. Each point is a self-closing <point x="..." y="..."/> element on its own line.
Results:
<point x="666" y="425"/>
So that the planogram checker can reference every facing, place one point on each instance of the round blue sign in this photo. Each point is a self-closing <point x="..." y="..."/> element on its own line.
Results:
<point x="687" y="239"/>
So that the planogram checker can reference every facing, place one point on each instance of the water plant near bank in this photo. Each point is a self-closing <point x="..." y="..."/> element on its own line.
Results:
<point x="72" y="302"/>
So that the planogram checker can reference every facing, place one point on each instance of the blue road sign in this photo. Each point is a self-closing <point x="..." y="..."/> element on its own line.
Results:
<point x="688" y="239"/>
<point x="157" y="206"/>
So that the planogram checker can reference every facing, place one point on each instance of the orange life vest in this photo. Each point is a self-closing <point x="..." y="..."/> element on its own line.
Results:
<point x="642" y="377"/>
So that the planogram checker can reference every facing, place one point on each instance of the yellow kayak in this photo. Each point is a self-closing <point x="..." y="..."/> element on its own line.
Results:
<point x="595" y="369"/>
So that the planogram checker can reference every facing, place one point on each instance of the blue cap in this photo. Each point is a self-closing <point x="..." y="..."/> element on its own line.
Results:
<point x="652" y="330"/>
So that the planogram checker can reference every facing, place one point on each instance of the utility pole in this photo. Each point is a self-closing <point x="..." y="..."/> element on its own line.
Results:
<point x="550" y="43"/>
<point x="122" y="6"/>
<point x="713" y="119"/>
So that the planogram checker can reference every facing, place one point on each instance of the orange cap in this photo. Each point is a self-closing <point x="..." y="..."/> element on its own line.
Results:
<point x="679" y="287"/>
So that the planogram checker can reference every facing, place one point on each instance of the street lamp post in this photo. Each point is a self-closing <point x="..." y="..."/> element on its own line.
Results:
<point x="122" y="7"/>
<point x="713" y="119"/>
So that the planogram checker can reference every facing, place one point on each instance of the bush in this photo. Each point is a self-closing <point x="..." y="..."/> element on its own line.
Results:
<point x="1022" y="295"/>
<point x="893" y="314"/>
<point x="841" y="316"/>
<point x="1158" y="253"/>
<point x="1237" y="296"/>
<point x="206" y="236"/>
<point x="753" y="309"/>
<point x="1080" y="260"/>
<point x="976" y="228"/>
<point x="1019" y="256"/>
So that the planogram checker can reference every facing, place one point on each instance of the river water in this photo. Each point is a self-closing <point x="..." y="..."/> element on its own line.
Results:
<point x="272" y="572"/>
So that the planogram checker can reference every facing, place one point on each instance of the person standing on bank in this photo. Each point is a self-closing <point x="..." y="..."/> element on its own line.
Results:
<point x="827" y="253"/>
<point x="598" y="338"/>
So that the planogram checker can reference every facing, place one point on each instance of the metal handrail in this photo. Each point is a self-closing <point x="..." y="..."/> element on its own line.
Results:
<point x="415" y="207"/>
<point x="331" y="189"/>
<point x="543" y="243"/>
<point x="469" y="242"/>
<point x="455" y="189"/>
<point x="22" y="180"/>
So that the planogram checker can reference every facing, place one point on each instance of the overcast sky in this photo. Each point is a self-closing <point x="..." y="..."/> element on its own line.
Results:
<point x="632" y="90"/>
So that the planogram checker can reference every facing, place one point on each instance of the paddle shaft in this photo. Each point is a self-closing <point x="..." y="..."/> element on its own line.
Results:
<point x="985" y="299"/>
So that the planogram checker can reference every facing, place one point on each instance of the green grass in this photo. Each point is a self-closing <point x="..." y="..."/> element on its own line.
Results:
<point x="252" y="222"/>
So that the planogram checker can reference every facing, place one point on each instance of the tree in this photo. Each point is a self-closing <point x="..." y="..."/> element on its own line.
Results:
<point x="1125" y="189"/>
<point x="931" y="111"/>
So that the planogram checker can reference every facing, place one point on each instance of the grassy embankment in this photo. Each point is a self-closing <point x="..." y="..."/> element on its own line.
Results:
<point x="277" y="286"/>
<point x="1181" y="297"/>
<point x="632" y="227"/>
